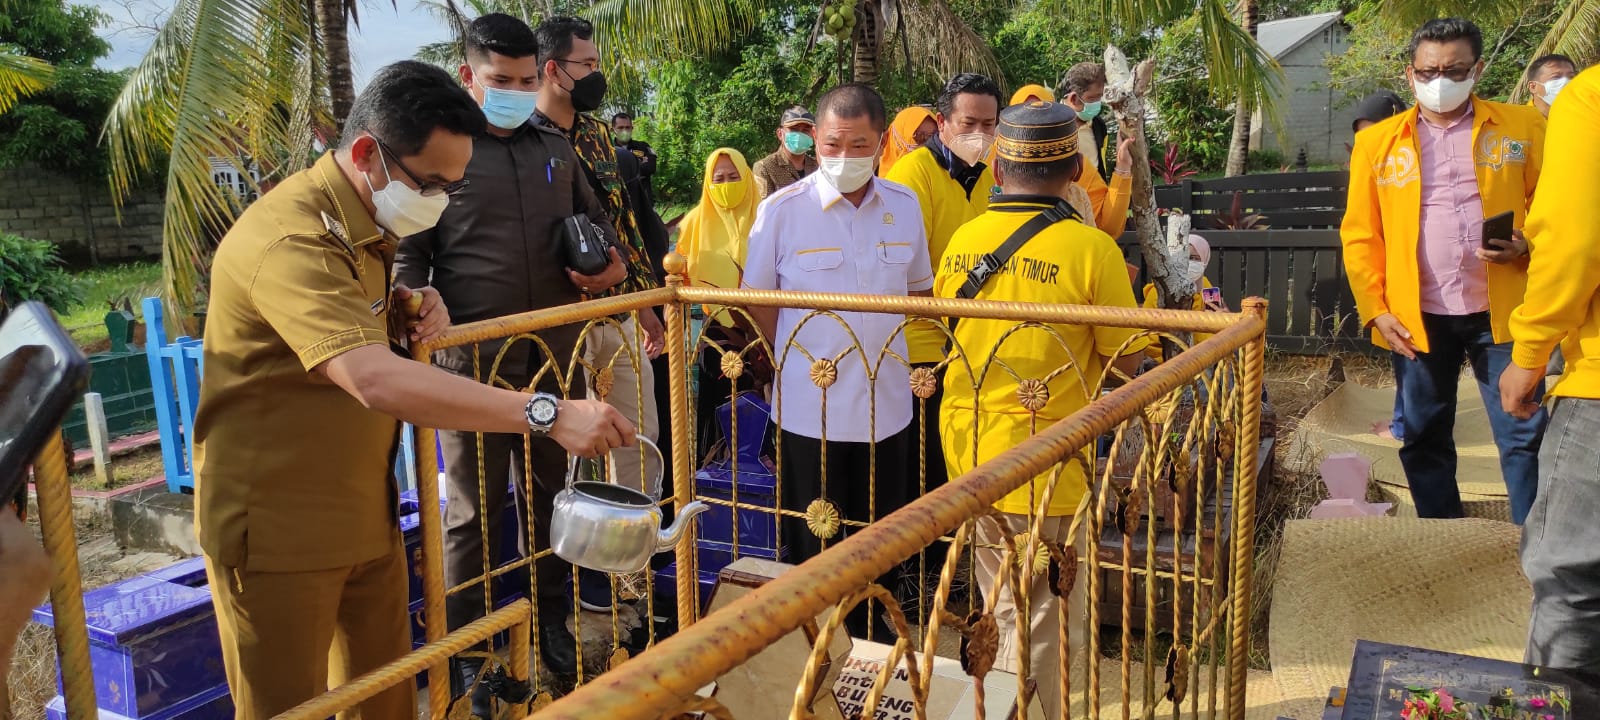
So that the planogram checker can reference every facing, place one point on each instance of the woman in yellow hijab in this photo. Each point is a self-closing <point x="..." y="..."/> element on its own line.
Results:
<point x="911" y="128"/>
<point x="713" y="236"/>
<point x="1035" y="92"/>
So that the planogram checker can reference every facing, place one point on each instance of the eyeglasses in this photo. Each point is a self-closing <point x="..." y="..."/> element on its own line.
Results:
<point x="1456" y="73"/>
<point x="591" y="64"/>
<point x="427" y="189"/>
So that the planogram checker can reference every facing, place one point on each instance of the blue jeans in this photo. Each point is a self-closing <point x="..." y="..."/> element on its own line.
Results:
<point x="1428" y="396"/>
<point x="1397" y="425"/>
<point x="1561" y="543"/>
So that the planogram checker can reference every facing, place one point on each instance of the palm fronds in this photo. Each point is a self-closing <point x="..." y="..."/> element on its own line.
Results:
<point x="21" y="76"/>
<point x="231" y="81"/>
<point x="946" y="44"/>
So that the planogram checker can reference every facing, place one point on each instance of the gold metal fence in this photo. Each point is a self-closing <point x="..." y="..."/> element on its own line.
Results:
<point x="1164" y="463"/>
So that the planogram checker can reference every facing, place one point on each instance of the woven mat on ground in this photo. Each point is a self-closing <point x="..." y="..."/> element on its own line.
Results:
<point x="1451" y="585"/>
<point x="1262" y="699"/>
<point x="1343" y="423"/>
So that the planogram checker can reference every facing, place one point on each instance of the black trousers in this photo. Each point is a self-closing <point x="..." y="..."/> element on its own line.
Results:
<point x="848" y="471"/>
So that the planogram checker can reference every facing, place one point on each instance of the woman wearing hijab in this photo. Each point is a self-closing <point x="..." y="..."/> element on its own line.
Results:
<point x="1199" y="258"/>
<point x="713" y="237"/>
<point x="1032" y="92"/>
<point x="911" y="128"/>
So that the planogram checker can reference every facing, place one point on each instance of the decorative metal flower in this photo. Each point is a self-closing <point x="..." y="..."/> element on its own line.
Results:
<point x="604" y="381"/>
<point x="1041" y="555"/>
<point x="824" y="373"/>
<point x="1132" y="510"/>
<point x="1160" y="411"/>
<point x="1063" y="570"/>
<point x="979" y="646"/>
<point x="732" y="365"/>
<point x="822" y="518"/>
<point x="1033" y="394"/>
<point x="1177" y="673"/>
<point x="924" y="383"/>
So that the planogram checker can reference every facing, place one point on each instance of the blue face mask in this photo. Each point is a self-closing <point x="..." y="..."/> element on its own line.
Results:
<point x="1089" y="111"/>
<point x="798" y="143"/>
<point x="508" y="109"/>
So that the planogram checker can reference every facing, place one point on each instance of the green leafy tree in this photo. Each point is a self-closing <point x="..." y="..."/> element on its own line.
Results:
<point x="58" y="126"/>
<point x="1512" y="37"/>
<point x="1188" y="115"/>
<point x="1570" y="27"/>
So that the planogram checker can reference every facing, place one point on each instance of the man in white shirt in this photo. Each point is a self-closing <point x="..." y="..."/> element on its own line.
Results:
<point x="843" y="415"/>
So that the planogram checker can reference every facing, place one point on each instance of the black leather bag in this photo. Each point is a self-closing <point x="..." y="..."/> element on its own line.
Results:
<point x="588" y="251"/>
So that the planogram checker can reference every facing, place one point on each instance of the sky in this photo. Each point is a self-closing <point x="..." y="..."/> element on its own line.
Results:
<point x="388" y="32"/>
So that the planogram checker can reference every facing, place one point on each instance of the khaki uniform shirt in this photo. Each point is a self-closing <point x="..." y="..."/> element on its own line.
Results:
<point x="774" y="173"/>
<point x="291" y="472"/>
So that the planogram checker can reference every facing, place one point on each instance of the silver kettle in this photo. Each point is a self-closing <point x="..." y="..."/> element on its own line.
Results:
<point x="608" y="527"/>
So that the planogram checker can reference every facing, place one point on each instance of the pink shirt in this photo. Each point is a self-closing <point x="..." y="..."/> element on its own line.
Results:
<point x="1454" y="281"/>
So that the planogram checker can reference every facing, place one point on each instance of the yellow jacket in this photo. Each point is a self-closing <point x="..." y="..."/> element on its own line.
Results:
<point x="1563" y="231"/>
<point x="1110" y="201"/>
<point x="1383" y="216"/>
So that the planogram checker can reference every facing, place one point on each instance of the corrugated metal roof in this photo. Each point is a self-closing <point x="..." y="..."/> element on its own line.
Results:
<point x="1280" y="37"/>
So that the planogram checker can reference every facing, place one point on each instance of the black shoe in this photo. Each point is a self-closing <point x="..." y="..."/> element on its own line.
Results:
<point x="557" y="646"/>
<point x="467" y="670"/>
<point x="594" y="591"/>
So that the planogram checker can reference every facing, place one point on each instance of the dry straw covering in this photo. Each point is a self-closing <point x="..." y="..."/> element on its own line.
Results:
<point x="1450" y="585"/>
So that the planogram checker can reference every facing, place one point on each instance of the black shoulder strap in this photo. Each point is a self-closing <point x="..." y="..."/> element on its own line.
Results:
<point x="991" y="262"/>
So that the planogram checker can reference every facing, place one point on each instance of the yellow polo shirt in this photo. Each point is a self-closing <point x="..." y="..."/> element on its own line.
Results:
<point x="946" y="206"/>
<point x="1067" y="263"/>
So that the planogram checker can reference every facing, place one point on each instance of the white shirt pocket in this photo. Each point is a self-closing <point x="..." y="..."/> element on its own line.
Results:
<point x="895" y="253"/>
<point x="819" y="259"/>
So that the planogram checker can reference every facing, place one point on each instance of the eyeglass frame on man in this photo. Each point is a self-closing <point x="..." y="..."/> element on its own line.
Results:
<point x="1455" y="73"/>
<point x="426" y="189"/>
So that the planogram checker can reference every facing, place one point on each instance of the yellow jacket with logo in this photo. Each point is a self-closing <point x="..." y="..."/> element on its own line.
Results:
<point x="1563" y="299"/>
<point x="1383" y="216"/>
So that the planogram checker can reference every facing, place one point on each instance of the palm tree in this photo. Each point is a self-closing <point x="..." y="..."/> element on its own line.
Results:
<point x="20" y="76"/>
<point x="633" y="35"/>
<point x="1575" y="32"/>
<point x="930" y="35"/>
<point x="235" y="81"/>
<point x="1239" y="148"/>
<point x="1238" y="68"/>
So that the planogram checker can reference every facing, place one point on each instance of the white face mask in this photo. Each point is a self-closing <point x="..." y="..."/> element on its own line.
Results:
<point x="1441" y="94"/>
<point x="971" y="147"/>
<point x="1552" y="88"/>
<point x="1197" y="270"/>
<point x="403" y="210"/>
<point x="847" y="174"/>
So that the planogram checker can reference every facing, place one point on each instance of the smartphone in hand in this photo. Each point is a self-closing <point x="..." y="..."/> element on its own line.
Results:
<point x="41" y="373"/>
<point x="1212" y="297"/>
<point x="1497" y="228"/>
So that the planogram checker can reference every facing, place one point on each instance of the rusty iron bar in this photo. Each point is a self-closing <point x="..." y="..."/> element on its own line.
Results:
<point x="54" y="491"/>
<point x="1244" y="511"/>
<point x="670" y="674"/>
<point x="1141" y="318"/>
<point x="367" y="686"/>
<point x="677" y="318"/>
<point x="503" y="327"/>
<point x="432" y="561"/>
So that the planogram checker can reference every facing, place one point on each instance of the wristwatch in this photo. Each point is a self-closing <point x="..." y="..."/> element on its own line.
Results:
<point x="541" y="410"/>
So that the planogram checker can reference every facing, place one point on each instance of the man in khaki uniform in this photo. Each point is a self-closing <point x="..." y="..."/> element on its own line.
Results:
<point x="296" y="430"/>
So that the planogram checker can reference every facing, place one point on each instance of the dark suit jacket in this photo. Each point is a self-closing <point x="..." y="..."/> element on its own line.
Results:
<point x="498" y="249"/>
